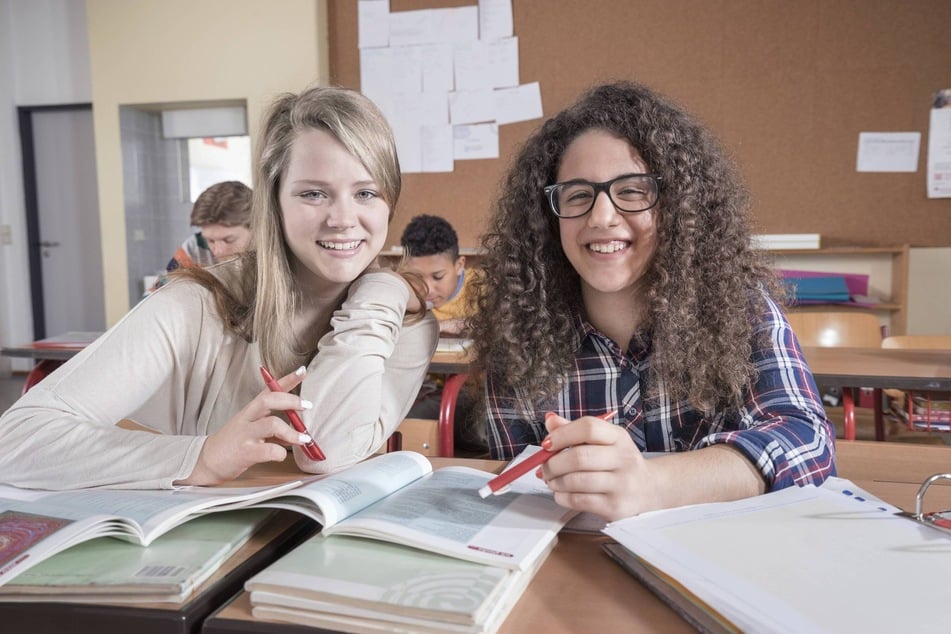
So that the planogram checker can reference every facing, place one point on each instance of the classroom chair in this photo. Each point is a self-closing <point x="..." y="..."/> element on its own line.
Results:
<point x="432" y="438"/>
<point x="850" y="329"/>
<point x="920" y="410"/>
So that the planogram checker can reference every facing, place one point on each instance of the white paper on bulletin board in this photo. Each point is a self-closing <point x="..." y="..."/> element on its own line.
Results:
<point x="888" y="152"/>
<point x="939" y="146"/>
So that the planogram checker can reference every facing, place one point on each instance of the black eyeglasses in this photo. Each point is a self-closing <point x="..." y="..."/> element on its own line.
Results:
<point x="628" y="193"/>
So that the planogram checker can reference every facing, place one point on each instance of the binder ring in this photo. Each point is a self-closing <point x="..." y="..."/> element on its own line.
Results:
<point x="920" y="499"/>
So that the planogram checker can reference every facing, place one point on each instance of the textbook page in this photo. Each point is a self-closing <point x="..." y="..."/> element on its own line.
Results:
<point x="444" y="513"/>
<point x="36" y="524"/>
<point x="116" y="571"/>
<point x="331" y="498"/>
<point x="801" y="560"/>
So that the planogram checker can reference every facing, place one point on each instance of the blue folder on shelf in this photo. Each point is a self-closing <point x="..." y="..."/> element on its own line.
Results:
<point x="818" y="289"/>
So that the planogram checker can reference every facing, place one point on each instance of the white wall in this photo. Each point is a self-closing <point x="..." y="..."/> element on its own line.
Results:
<point x="929" y="292"/>
<point x="44" y="60"/>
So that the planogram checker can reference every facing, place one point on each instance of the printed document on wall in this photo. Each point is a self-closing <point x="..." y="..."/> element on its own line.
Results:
<point x="888" y="152"/>
<point x="939" y="146"/>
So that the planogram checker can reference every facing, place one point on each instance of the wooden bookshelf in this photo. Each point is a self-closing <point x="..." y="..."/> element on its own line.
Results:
<point x="880" y="263"/>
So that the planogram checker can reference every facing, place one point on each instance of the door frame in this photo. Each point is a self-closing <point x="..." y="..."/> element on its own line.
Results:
<point x="31" y="202"/>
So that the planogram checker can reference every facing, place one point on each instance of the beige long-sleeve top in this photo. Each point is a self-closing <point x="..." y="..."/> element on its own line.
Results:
<point x="170" y="365"/>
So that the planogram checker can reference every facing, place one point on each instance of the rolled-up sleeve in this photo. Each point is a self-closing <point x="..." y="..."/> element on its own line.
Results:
<point x="782" y="428"/>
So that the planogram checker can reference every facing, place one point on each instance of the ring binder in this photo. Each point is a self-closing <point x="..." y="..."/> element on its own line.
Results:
<point x="940" y="520"/>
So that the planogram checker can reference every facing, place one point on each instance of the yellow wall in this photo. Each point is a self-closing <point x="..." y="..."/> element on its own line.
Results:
<point x="166" y="51"/>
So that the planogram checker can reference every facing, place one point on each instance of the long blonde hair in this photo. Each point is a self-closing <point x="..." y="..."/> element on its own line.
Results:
<point x="249" y="307"/>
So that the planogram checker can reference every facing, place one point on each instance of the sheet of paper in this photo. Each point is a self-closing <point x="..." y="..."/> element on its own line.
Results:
<point x="491" y="64"/>
<point x="759" y="561"/>
<point x="522" y="103"/>
<point x="888" y="152"/>
<point x="495" y="19"/>
<point x="478" y="141"/>
<point x="373" y="20"/>
<point x="436" y="141"/>
<point x="427" y="26"/>
<point x="472" y="106"/>
<point x="939" y="146"/>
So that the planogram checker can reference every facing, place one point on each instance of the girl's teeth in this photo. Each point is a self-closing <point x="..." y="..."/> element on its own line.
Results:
<point x="609" y="247"/>
<point x="340" y="246"/>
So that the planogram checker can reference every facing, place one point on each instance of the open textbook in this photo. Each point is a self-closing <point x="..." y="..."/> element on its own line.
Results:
<point x="358" y="585"/>
<point x="116" y="571"/>
<point x="395" y="497"/>
<point x="810" y="559"/>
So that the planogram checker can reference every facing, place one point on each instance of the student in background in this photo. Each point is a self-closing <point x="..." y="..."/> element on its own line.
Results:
<point x="306" y="303"/>
<point x="222" y="214"/>
<point x="619" y="276"/>
<point x="431" y="250"/>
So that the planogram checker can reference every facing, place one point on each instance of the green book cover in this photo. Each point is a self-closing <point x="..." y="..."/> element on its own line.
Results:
<point x="109" y="569"/>
<point x="370" y="579"/>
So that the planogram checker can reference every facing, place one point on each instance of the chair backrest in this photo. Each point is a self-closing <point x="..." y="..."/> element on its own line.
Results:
<point x="920" y="342"/>
<point x="845" y="329"/>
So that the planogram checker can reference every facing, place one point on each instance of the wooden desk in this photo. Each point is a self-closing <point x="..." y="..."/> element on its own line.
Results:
<point x="878" y="368"/>
<point x="579" y="589"/>
<point x="902" y="369"/>
<point x="451" y="362"/>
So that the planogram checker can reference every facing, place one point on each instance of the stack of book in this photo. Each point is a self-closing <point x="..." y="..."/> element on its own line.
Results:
<point x="430" y="555"/>
<point x="357" y="585"/>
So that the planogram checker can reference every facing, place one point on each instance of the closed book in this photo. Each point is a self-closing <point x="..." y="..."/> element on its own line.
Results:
<point x="360" y="585"/>
<point x="823" y="289"/>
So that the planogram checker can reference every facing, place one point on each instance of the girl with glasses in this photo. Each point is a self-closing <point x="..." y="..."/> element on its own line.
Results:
<point x="620" y="279"/>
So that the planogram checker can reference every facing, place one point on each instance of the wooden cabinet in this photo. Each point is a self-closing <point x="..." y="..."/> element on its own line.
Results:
<point x="887" y="268"/>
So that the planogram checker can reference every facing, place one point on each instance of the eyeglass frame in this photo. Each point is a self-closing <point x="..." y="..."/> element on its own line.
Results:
<point x="605" y="187"/>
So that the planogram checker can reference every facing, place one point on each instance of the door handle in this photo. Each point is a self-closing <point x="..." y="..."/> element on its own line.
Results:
<point x="47" y="243"/>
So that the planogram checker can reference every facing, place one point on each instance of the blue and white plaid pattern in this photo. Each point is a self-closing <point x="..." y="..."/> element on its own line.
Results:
<point x="782" y="427"/>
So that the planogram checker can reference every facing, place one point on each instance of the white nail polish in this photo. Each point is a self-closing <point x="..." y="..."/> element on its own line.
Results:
<point x="304" y="438"/>
<point x="301" y="371"/>
<point x="305" y="404"/>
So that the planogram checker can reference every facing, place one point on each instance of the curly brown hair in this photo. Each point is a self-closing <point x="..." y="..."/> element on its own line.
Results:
<point x="704" y="284"/>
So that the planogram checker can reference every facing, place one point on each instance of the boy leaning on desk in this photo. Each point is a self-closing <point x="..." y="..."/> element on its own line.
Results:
<point x="619" y="278"/>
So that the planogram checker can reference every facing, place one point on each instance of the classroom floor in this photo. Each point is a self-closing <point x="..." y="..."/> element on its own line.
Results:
<point x="864" y="423"/>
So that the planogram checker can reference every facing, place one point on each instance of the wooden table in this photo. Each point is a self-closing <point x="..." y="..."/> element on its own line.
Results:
<point x="902" y="369"/>
<point x="878" y="368"/>
<point x="579" y="589"/>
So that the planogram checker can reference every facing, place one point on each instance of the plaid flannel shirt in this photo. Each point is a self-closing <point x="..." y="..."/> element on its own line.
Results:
<point x="781" y="428"/>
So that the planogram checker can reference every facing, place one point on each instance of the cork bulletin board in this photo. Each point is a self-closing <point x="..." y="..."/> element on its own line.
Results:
<point x="786" y="86"/>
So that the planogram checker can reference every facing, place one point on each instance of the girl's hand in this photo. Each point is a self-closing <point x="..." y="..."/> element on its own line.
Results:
<point x="602" y="472"/>
<point x="253" y="435"/>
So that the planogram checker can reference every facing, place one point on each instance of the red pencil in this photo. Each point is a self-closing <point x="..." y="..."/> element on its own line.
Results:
<point x="311" y="449"/>
<point x="499" y="484"/>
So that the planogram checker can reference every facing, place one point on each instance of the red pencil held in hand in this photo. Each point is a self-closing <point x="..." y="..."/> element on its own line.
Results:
<point x="499" y="484"/>
<point x="311" y="449"/>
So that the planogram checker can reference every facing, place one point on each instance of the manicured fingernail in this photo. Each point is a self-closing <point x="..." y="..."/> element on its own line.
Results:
<point x="304" y="439"/>
<point x="305" y="404"/>
<point x="538" y="473"/>
<point x="546" y="444"/>
<point x="301" y="371"/>
<point x="549" y="415"/>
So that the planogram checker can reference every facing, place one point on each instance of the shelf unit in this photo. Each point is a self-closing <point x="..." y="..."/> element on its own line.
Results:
<point x="887" y="268"/>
